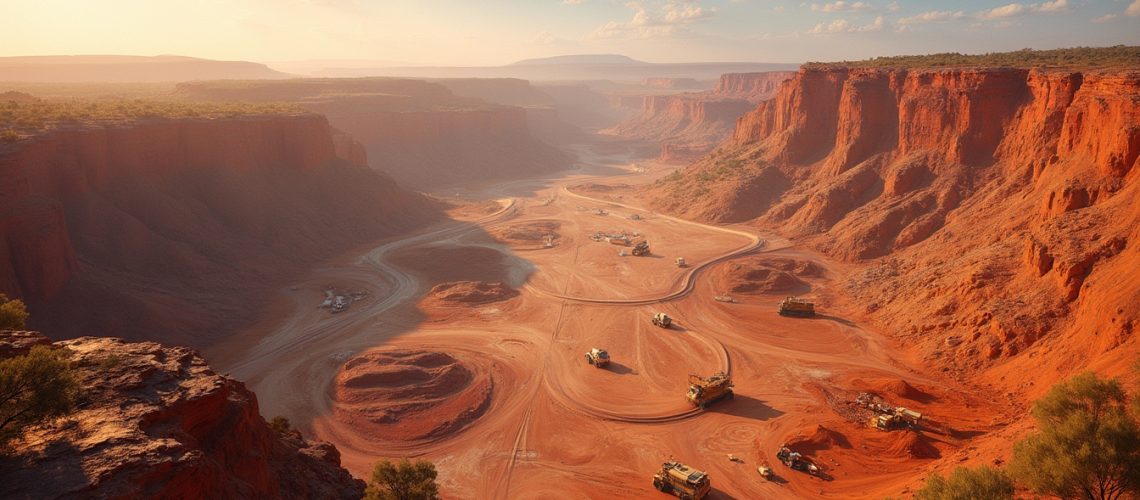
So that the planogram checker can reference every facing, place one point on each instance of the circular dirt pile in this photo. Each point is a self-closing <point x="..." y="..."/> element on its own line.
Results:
<point x="472" y="292"/>
<point x="410" y="395"/>
<point x="767" y="275"/>
<point x="895" y="387"/>
<point x="537" y="233"/>
<point x="811" y="440"/>
<point x="910" y="444"/>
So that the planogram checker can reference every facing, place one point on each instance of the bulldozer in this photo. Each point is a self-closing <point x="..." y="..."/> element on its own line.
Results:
<point x="795" y="306"/>
<point x="703" y="391"/>
<point x="662" y="320"/>
<point x="797" y="461"/>
<point x="598" y="357"/>
<point x="682" y="481"/>
<point x="641" y="248"/>
<point x="680" y="261"/>
<point x="899" y="418"/>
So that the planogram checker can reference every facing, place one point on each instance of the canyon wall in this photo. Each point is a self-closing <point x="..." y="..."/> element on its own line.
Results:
<point x="179" y="225"/>
<point x="993" y="211"/>
<point x="157" y="422"/>
<point x="689" y="125"/>
<point x="752" y="87"/>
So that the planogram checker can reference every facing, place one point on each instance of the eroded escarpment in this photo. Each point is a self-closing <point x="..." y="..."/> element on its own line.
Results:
<point x="991" y="210"/>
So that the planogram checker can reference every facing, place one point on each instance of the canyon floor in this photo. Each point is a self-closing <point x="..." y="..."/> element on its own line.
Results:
<point x="468" y="350"/>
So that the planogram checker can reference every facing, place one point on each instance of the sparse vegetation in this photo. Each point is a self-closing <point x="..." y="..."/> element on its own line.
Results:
<point x="33" y="388"/>
<point x="281" y="425"/>
<point x="982" y="483"/>
<point x="1120" y="56"/>
<point x="404" y="480"/>
<point x="1088" y="445"/>
<point x="13" y="313"/>
<point x="28" y="118"/>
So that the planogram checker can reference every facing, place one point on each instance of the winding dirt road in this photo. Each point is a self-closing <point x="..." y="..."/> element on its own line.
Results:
<point x="497" y="394"/>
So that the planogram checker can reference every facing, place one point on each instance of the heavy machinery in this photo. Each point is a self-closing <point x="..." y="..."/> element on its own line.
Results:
<point x="598" y="357"/>
<point x="661" y="319"/>
<point x="797" y="461"/>
<point x="680" y="261"/>
<point x="703" y="391"/>
<point x="619" y="240"/>
<point x="682" y="481"/>
<point x="641" y="248"/>
<point x="898" y="418"/>
<point x="795" y="306"/>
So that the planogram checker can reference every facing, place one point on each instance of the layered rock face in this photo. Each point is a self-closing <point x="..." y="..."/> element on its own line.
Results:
<point x="691" y="124"/>
<point x="995" y="209"/>
<point x="157" y="422"/>
<point x="752" y="87"/>
<point x="175" y="225"/>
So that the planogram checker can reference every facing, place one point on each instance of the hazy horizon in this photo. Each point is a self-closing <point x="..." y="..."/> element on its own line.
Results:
<point x="456" y="33"/>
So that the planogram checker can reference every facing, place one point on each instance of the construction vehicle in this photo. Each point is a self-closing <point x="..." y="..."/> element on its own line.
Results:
<point x="797" y="461"/>
<point x="619" y="240"/>
<point x="795" y="306"/>
<point x="641" y="248"/>
<point x="703" y="391"/>
<point x="765" y="471"/>
<point x="682" y="481"/>
<point x="598" y="357"/>
<point x="680" y="262"/>
<point x="661" y="319"/>
<point x="898" y="418"/>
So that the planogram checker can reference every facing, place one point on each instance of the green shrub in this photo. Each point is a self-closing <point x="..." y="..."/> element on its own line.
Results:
<point x="404" y="480"/>
<point x="13" y="314"/>
<point x="33" y="388"/>
<point x="982" y="483"/>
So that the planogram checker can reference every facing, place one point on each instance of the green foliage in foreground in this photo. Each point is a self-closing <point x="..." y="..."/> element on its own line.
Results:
<point x="27" y="118"/>
<point x="403" y="481"/>
<point x="982" y="483"/>
<point x="13" y="314"/>
<point x="34" y="387"/>
<point x="1120" y="56"/>
<point x="1088" y="445"/>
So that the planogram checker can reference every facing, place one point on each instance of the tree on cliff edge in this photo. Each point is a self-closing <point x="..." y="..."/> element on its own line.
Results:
<point x="1088" y="445"/>
<point x="13" y="314"/>
<point x="403" y="481"/>
<point x="34" y="387"/>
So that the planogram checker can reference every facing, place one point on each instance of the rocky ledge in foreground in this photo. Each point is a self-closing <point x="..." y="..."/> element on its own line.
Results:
<point x="157" y="422"/>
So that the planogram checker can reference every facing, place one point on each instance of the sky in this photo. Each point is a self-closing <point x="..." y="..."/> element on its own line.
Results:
<point x="496" y="32"/>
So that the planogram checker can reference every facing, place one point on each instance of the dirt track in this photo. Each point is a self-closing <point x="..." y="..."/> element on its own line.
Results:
<point x="552" y="425"/>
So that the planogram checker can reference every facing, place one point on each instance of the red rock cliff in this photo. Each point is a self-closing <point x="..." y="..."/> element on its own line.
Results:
<point x="995" y="207"/>
<point x="753" y="87"/>
<point x="169" y="222"/>
<point x="157" y="422"/>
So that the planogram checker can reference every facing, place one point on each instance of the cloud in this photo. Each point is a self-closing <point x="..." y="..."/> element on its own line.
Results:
<point x="656" y="20"/>
<point x="1016" y="9"/>
<point x="1105" y="18"/>
<point x="842" y="6"/>
<point x="931" y="17"/>
<point x="842" y="26"/>
<point x="893" y="7"/>
<point x="572" y="2"/>
<point x="1133" y="9"/>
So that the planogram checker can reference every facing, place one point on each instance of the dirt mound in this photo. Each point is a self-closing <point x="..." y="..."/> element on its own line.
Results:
<point x="817" y="438"/>
<point x="766" y="275"/>
<point x="410" y="395"/>
<point x="472" y="292"/>
<point x="911" y="444"/>
<point x="893" y="387"/>
<point x="536" y="233"/>
<point x="593" y="187"/>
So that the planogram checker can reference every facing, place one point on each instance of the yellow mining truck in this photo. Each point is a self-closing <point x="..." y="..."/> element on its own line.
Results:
<point x="703" y="391"/>
<point x="662" y="320"/>
<point x="795" y="306"/>
<point x="682" y="481"/>
<point x="899" y="418"/>
<point x="598" y="357"/>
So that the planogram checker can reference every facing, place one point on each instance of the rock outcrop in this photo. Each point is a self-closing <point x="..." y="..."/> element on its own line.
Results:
<point x="157" y="422"/>
<point x="178" y="225"/>
<point x="689" y="125"/>
<point x="992" y="206"/>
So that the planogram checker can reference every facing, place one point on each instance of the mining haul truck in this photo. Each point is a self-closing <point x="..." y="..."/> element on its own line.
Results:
<point x="641" y="248"/>
<point x="682" y="481"/>
<point x="703" y="391"/>
<point x="794" y="306"/>
<point x="797" y="461"/>
<point x="598" y="357"/>
<point x="900" y="418"/>
<point x="661" y="319"/>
